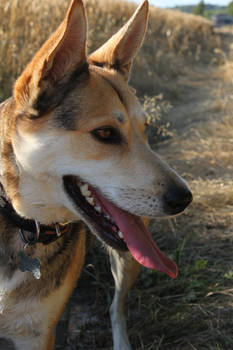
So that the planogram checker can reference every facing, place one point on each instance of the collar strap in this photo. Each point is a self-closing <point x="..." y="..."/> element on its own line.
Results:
<point x="31" y="231"/>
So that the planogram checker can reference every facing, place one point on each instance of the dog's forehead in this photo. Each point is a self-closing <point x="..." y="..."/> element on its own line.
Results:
<point x="118" y="115"/>
<point x="126" y="95"/>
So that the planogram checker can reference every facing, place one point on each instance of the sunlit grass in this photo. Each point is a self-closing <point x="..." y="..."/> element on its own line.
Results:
<point x="172" y="39"/>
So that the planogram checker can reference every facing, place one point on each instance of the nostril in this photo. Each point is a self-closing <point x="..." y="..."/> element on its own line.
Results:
<point x="178" y="199"/>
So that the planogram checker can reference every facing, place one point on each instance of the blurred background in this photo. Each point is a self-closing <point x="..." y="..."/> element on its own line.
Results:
<point x="192" y="3"/>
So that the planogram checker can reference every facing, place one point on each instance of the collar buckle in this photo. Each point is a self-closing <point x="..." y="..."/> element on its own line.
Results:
<point x="27" y="240"/>
<point x="57" y="229"/>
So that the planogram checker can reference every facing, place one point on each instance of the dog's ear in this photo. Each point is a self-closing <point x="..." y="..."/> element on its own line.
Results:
<point x="62" y="56"/>
<point x="119" y="51"/>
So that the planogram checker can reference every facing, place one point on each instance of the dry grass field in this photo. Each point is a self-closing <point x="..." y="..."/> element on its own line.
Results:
<point x="172" y="39"/>
<point x="192" y="65"/>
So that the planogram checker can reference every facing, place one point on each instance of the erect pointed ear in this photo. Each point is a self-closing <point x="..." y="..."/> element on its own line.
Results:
<point x="119" y="51"/>
<point x="60" y="60"/>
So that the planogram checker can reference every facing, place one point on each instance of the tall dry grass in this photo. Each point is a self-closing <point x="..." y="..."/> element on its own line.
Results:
<point x="173" y="40"/>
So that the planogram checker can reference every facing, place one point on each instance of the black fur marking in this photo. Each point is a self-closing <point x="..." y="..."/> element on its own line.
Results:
<point x="8" y="255"/>
<point x="99" y="64"/>
<point x="116" y="66"/>
<point x="48" y="100"/>
<point x="66" y="114"/>
<point x="62" y="256"/>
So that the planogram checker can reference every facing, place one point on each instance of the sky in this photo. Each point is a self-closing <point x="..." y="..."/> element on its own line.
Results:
<point x="172" y="3"/>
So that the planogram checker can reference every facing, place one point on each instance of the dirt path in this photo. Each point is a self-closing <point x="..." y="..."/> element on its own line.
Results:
<point x="200" y="124"/>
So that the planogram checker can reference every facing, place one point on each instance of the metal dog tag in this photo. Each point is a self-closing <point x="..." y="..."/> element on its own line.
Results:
<point x="29" y="264"/>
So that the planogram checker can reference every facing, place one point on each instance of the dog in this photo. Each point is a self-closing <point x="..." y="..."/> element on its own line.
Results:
<point x="74" y="154"/>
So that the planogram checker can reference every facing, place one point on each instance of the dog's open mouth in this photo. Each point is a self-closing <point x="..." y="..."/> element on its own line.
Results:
<point x="116" y="227"/>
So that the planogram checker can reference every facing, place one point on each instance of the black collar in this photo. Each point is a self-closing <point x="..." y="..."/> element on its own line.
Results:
<point x="31" y="231"/>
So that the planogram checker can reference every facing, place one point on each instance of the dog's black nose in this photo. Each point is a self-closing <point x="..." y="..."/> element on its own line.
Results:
<point x="177" y="199"/>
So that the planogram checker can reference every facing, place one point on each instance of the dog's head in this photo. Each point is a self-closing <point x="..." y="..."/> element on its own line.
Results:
<point x="79" y="143"/>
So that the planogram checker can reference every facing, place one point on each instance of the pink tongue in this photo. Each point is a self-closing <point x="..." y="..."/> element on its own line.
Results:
<point x="139" y="241"/>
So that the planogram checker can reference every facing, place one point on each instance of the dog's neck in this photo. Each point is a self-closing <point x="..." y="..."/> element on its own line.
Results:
<point x="8" y="167"/>
<point x="7" y="232"/>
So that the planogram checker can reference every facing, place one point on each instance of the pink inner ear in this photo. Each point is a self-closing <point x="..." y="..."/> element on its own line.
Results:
<point x="71" y="50"/>
<point x="65" y="58"/>
<point x="121" y="48"/>
<point x="130" y="45"/>
<point x="57" y="59"/>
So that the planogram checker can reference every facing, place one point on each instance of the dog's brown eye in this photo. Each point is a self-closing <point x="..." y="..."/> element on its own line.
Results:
<point x="104" y="133"/>
<point x="107" y="134"/>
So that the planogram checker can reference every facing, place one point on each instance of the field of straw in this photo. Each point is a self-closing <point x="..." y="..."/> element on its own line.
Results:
<point x="172" y="39"/>
<point x="189" y="63"/>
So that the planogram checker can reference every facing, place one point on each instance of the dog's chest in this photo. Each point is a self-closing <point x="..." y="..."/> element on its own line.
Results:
<point x="8" y="286"/>
<point x="19" y="313"/>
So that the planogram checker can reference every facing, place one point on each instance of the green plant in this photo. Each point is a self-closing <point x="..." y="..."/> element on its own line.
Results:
<point x="229" y="275"/>
<point x="199" y="9"/>
<point x="230" y="9"/>
<point x="179" y="251"/>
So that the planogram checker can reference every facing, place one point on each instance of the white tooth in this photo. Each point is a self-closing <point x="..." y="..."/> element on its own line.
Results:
<point x="84" y="190"/>
<point x="84" y="187"/>
<point x="90" y="200"/>
<point x="120" y="234"/>
<point x="99" y="209"/>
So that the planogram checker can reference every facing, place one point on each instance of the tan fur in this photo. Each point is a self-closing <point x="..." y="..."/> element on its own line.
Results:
<point x="46" y="129"/>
